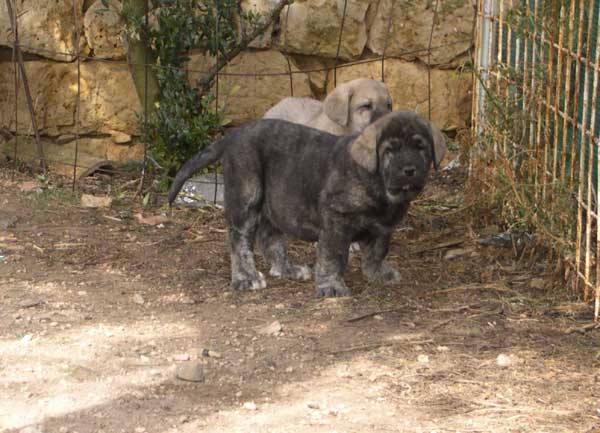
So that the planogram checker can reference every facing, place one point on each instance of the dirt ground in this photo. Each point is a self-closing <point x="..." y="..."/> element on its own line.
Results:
<point x="100" y="310"/>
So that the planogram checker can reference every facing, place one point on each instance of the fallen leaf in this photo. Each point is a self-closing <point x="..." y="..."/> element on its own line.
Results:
<point x="93" y="201"/>
<point x="152" y="220"/>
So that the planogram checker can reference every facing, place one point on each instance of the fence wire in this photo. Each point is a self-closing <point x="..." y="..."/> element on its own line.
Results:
<point x="75" y="54"/>
<point x="536" y="114"/>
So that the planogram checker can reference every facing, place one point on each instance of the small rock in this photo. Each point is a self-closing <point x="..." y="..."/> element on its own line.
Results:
<point x="289" y="370"/>
<point x="92" y="201"/>
<point x="181" y="357"/>
<point x="506" y="360"/>
<point x="378" y="317"/>
<point x="271" y="329"/>
<point x="249" y="405"/>
<point x="442" y="349"/>
<point x="209" y="353"/>
<point x="82" y="293"/>
<point x="313" y="405"/>
<point x="423" y="359"/>
<point x="238" y="394"/>
<point x="138" y="299"/>
<point x="192" y="371"/>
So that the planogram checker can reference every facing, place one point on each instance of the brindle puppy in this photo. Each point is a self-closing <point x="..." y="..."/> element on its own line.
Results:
<point x="286" y="179"/>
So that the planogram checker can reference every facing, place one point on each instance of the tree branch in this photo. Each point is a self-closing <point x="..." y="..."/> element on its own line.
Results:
<point x="205" y="83"/>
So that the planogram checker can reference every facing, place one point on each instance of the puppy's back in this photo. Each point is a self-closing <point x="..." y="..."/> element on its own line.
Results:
<point x="298" y="110"/>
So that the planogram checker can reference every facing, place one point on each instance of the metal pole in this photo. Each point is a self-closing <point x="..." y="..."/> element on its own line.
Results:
<point x="38" y="142"/>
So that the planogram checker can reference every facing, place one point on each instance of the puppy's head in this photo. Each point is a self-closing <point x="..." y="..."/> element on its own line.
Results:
<point x="358" y="103"/>
<point x="399" y="148"/>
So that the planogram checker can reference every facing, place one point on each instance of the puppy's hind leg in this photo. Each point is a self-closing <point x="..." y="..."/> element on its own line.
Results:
<point x="244" y="275"/>
<point x="272" y="243"/>
<point x="242" y="202"/>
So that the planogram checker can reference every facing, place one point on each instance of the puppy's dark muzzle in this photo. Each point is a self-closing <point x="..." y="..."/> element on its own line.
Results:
<point x="406" y="184"/>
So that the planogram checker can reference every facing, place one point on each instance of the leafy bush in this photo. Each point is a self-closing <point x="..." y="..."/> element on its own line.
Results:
<point x="183" y="121"/>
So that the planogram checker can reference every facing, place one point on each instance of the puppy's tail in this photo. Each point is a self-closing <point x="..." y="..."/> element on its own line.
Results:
<point x="202" y="159"/>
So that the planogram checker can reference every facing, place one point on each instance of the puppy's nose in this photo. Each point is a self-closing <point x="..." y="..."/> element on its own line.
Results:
<point x="410" y="171"/>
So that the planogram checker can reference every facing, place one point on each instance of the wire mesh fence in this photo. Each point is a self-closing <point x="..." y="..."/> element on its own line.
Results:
<point x="536" y="114"/>
<point x="75" y="159"/>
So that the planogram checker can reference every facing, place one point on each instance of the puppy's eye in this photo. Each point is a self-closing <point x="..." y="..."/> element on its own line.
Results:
<point x="420" y="142"/>
<point x="366" y="106"/>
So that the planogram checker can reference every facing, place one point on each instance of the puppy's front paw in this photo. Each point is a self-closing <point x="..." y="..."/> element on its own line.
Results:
<point x="386" y="274"/>
<point x="249" y="283"/>
<point x="332" y="289"/>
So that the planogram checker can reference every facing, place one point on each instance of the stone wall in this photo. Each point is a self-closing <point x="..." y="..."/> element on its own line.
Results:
<point x="304" y="41"/>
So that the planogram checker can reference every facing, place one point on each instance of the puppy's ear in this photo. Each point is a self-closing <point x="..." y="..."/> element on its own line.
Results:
<point x="438" y="148"/>
<point x="364" y="147"/>
<point x="337" y="105"/>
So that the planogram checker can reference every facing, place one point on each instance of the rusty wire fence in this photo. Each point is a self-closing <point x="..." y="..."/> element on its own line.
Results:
<point x="536" y="116"/>
<point x="73" y="159"/>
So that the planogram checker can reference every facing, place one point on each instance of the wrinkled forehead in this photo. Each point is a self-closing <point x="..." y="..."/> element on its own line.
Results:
<point x="371" y="91"/>
<point x="397" y="128"/>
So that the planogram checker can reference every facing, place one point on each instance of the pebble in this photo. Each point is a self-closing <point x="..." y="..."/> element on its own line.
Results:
<point x="504" y="360"/>
<point x="192" y="371"/>
<point x="138" y="299"/>
<point x="181" y="357"/>
<point x="423" y="359"/>
<point x="249" y="405"/>
<point x="271" y="328"/>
